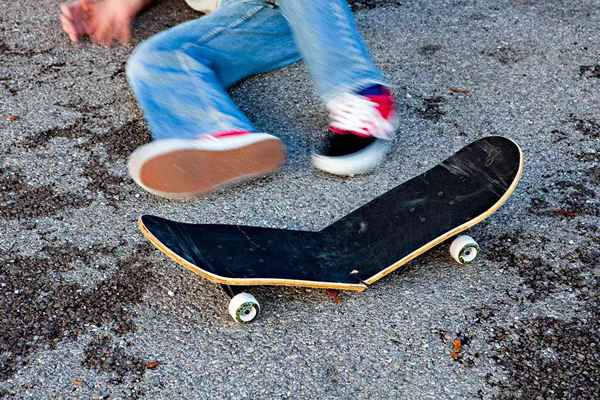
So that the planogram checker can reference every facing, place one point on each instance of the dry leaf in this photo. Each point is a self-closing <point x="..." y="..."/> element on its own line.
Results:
<point x="152" y="364"/>
<point x="12" y="118"/>
<point x="459" y="90"/>
<point x="565" y="213"/>
<point x="77" y="382"/>
<point x="334" y="295"/>
<point x="456" y="349"/>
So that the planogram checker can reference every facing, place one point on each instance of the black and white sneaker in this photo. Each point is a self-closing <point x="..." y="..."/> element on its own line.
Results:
<point x="349" y="154"/>
<point x="360" y="133"/>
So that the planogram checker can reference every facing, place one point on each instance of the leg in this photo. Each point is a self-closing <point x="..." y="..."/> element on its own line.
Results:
<point x="331" y="46"/>
<point x="361" y="108"/>
<point x="180" y="78"/>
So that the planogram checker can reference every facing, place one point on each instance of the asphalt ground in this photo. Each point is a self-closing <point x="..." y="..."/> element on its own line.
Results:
<point x="90" y="310"/>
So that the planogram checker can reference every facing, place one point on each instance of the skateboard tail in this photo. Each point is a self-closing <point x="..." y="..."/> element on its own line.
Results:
<point x="355" y="287"/>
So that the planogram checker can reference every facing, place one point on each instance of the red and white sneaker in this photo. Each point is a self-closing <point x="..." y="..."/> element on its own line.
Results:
<point x="360" y="133"/>
<point x="184" y="168"/>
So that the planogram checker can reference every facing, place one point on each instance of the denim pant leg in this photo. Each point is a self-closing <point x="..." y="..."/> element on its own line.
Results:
<point x="180" y="76"/>
<point x="331" y="46"/>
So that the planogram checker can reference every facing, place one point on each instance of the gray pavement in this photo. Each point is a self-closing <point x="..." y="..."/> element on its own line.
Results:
<point x="89" y="310"/>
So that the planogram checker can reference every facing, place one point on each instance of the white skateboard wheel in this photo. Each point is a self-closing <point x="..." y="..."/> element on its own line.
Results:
<point x="464" y="249"/>
<point x="243" y="307"/>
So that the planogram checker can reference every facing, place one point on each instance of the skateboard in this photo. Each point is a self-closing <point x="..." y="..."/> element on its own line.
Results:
<point x="362" y="247"/>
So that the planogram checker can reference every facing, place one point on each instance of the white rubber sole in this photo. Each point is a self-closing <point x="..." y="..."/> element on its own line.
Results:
<point x="185" y="168"/>
<point x="363" y="162"/>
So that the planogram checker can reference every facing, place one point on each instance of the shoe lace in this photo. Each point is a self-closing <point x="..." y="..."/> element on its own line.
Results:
<point x="359" y="115"/>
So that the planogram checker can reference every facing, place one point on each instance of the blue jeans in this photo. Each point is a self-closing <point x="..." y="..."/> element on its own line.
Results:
<point x="180" y="76"/>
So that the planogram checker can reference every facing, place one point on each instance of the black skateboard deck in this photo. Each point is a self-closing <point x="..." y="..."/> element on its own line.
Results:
<point x="363" y="246"/>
